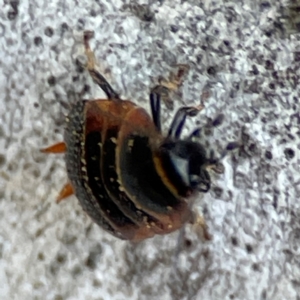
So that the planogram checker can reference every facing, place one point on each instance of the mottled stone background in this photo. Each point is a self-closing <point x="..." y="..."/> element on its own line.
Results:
<point x="244" y="58"/>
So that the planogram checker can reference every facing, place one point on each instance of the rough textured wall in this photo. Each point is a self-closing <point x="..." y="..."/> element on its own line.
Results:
<point x="244" y="58"/>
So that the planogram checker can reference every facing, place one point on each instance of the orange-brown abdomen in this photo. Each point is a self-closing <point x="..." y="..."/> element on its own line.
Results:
<point x="110" y="165"/>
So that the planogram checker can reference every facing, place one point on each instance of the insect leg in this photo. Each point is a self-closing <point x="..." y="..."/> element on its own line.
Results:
<point x="204" y="182"/>
<point x="179" y="119"/>
<point x="176" y="79"/>
<point x="195" y="134"/>
<point x="200" y="226"/>
<point x="172" y="84"/>
<point x="91" y="67"/>
<point x="155" y="103"/>
<point x="215" y="164"/>
<point x="162" y="92"/>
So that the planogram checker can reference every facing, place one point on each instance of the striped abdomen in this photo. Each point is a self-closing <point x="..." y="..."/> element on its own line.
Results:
<point x="114" y="171"/>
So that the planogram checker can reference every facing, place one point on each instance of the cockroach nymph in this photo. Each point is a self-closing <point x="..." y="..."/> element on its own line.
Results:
<point x="133" y="181"/>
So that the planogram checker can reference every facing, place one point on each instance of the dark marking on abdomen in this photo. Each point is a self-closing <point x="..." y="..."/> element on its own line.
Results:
<point x="109" y="209"/>
<point x="112" y="184"/>
<point x="140" y="178"/>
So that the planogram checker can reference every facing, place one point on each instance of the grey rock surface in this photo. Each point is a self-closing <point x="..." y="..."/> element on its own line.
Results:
<point x="244" y="59"/>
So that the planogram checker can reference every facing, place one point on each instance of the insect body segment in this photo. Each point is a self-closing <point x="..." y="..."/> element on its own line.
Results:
<point x="130" y="179"/>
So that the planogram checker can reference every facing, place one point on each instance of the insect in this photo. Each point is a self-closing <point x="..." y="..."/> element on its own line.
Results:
<point x="133" y="181"/>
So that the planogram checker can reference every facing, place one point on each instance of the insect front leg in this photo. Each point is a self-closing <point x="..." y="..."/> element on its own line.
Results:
<point x="180" y="117"/>
<point x="91" y="67"/>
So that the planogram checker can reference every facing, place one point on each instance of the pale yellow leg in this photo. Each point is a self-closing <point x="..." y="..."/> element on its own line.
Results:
<point x="200" y="226"/>
<point x="165" y="86"/>
<point x="91" y="67"/>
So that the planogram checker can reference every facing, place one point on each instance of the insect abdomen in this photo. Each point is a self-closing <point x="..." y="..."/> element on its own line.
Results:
<point x="113" y="174"/>
<point x="76" y="166"/>
<point x="138" y="172"/>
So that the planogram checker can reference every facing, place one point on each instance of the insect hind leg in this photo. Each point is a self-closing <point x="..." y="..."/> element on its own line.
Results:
<point x="91" y="67"/>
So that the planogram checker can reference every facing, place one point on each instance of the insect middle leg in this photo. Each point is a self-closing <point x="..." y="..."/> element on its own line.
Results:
<point x="91" y="67"/>
<point x="162" y="92"/>
<point x="155" y="104"/>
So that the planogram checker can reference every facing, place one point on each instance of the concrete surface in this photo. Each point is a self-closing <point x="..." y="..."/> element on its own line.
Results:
<point x="244" y="58"/>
